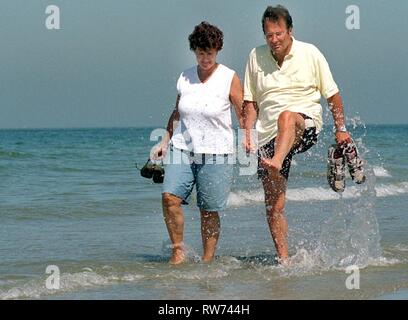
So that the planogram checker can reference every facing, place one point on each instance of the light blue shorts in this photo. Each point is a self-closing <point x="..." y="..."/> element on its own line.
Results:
<point x="210" y="174"/>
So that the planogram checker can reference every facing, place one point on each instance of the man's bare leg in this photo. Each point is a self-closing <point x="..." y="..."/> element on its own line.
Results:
<point x="290" y="129"/>
<point x="275" y="190"/>
<point x="174" y="218"/>
<point x="210" y="231"/>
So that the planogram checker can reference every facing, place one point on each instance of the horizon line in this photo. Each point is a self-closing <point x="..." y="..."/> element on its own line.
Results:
<point x="152" y="126"/>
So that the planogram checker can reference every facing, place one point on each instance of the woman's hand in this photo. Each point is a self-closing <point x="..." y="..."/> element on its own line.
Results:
<point x="159" y="151"/>
<point x="247" y="144"/>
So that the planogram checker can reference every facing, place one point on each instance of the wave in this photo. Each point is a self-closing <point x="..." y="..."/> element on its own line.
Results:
<point x="401" y="247"/>
<point x="14" y="154"/>
<point x="89" y="278"/>
<point x="381" y="172"/>
<point x="229" y="267"/>
<point x="69" y="282"/>
<point x="242" y="198"/>
<point x="391" y="190"/>
<point x="306" y="262"/>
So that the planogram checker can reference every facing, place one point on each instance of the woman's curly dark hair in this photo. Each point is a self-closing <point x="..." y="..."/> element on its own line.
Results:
<point x="206" y="36"/>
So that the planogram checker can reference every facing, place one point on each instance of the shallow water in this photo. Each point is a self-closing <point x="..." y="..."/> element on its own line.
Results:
<point x="73" y="199"/>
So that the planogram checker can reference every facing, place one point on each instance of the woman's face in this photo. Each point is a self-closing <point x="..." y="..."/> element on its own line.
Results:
<point x="206" y="59"/>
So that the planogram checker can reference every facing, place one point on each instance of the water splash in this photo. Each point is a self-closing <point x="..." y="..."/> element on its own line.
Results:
<point x="380" y="171"/>
<point x="350" y="236"/>
<point x="190" y="254"/>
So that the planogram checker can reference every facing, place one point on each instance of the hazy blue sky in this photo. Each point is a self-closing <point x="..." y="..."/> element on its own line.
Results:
<point x="116" y="62"/>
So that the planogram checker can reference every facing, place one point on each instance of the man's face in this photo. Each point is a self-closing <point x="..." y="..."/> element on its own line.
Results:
<point x="278" y="37"/>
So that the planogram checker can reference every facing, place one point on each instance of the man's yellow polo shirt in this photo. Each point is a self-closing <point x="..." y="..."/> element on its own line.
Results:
<point x="297" y="86"/>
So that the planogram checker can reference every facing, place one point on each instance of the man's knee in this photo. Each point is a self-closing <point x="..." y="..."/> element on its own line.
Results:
<point x="170" y="200"/>
<point x="274" y="213"/>
<point x="275" y="204"/>
<point x="286" y="117"/>
<point x="290" y="119"/>
<point x="275" y="209"/>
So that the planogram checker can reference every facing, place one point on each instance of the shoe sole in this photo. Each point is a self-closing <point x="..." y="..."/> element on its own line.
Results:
<point x="336" y="185"/>
<point x="351" y="168"/>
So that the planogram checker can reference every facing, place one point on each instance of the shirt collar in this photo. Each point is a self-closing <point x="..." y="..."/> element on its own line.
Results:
<point x="292" y="51"/>
<point x="293" y="48"/>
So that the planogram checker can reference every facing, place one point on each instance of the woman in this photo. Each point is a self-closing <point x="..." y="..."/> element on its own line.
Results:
<point x="201" y="143"/>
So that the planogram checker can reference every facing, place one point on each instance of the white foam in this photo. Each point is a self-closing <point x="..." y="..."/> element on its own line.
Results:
<point x="199" y="274"/>
<point x="306" y="262"/>
<point x="391" y="190"/>
<point x="381" y="172"/>
<point x="242" y="198"/>
<point x="382" y="262"/>
<point x="401" y="247"/>
<point x="308" y="194"/>
<point x="68" y="282"/>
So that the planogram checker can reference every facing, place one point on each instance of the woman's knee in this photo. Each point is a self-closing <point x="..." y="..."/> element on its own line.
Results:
<point x="170" y="200"/>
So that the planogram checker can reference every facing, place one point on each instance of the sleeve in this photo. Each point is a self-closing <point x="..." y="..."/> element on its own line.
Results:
<point x="178" y="85"/>
<point x="325" y="81"/>
<point x="249" y="81"/>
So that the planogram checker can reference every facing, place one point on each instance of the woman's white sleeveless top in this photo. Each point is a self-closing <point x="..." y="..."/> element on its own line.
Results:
<point x="205" y="112"/>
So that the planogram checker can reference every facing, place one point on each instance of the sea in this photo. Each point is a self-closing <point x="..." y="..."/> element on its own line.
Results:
<point x="78" y="221"/>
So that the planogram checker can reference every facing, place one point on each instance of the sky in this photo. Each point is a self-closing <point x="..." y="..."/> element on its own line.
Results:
<point x="115" y="63"/>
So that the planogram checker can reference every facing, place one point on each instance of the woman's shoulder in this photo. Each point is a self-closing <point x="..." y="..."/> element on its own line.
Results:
<point x="190" y="71"/>
<point x="188" y="76"/>
<point x="226" y="69"/>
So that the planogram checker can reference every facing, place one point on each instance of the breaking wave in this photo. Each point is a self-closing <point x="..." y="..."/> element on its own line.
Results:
<point x="243" y="198"/>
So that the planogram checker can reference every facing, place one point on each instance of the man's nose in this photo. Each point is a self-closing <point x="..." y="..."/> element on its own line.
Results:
<point x="274" y="38"/>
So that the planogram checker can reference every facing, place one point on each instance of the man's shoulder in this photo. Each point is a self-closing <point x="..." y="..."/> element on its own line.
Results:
<point x="307" y="47"/>
<point x="257" y="50"/>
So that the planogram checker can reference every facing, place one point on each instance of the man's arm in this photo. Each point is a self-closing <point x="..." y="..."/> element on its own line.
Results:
<point x="336" y="107"/>
<point x="250" y="106"/>
<point x="236" y="98"/>
<point x="250" y="114"/>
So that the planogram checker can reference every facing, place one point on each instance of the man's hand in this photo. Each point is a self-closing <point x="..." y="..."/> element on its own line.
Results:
<point x="249" y="114"/>
<point x="342" y="137"/>
<point x="336" y="107"/>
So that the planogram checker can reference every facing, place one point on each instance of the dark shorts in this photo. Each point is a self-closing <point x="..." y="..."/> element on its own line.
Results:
<point x="308" y="139"/>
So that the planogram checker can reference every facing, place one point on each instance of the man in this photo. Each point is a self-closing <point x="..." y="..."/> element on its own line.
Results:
<point x="284" y="81"/>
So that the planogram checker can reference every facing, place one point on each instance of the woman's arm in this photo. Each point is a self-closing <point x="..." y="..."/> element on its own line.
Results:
<point x="161" y="150"/>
